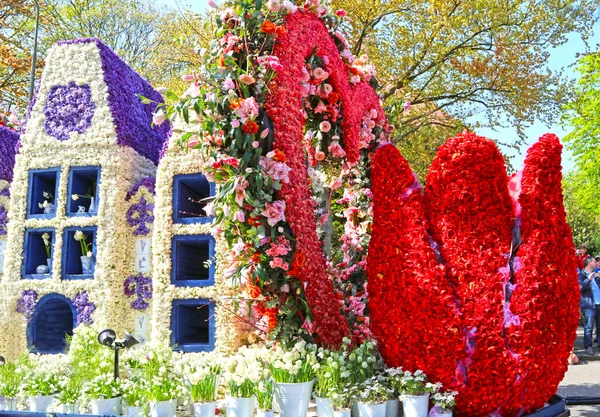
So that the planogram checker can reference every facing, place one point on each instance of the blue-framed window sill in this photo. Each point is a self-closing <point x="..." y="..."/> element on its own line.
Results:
<point x="37" y="276"/>
<point x="180" y="243"/>
<point x="74" y="277"/>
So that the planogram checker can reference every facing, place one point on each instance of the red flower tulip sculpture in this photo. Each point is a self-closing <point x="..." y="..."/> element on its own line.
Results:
<point x="455" y="291"/>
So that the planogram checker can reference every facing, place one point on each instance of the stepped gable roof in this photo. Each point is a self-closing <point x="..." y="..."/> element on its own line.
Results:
<point x="9" y="146"/>
<point x="132" y="118"/>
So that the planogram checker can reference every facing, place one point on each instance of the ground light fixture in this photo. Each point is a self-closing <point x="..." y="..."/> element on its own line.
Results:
<point x="108" y="338"/>
<point x="2" y="360"/>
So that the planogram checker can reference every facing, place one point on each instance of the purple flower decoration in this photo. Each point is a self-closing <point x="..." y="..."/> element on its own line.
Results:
<point x="142" y="213"/>
<point x="9" y="146"/>
<point x="3" y="219"/>
<point x="69" y="108"/>
<point x="148" y="182"/>
<point x="26" y="304"/>
<point x="84" y="308"/>
<point x="138" y="215"/>
<point x="141" y="286"/>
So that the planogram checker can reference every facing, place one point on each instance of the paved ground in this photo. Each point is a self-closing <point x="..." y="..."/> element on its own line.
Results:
<point x="582" y="380"/>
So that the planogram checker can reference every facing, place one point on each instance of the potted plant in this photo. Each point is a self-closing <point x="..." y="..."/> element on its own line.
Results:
<point x="331" y="373"/>
<point x="414" y="389"/>
<point x="292" y="370"/>
<point x="12" y="375"/>
<point x="69" y="394"/>
<point x="203" y="389"/>
<point x="104" y="393"/>
<point x="86" y="252"/>
<point x="134" y="393"/>
<point x="374" y="393"/>
<point x="443" y="403"/>
<point x="40" y="387"/>
<point x="167" y="385"/>
<point x="241" y="399"/>
<point x="343" y="399"/>
<point x="264" y="397"/>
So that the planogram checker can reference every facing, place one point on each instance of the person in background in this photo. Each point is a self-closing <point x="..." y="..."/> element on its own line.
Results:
<point x="590" y="302"/>
<point x="581" y="254"/>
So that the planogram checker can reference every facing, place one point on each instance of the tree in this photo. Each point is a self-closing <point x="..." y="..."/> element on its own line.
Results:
<point x="582" y="216"/>
<point x="131" y="28"/>
<point x="17" y="19"/>
<point x="452" y="60"/>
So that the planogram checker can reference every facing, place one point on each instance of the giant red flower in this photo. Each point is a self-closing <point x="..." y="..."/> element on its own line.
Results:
<point x="490" y="337"/>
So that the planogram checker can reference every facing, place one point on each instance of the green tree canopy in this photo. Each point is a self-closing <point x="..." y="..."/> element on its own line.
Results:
<point x="456" y="59"/>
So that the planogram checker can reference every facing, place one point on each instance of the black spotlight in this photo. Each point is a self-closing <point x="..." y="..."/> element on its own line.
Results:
<point x="2" y="360"/>
<point x="108" y="338"/>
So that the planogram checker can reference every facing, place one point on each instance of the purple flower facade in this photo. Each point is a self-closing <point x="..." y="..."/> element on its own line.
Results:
<point x="26" y="304"/>
<point x="132" y="118"/>
<point x="9" y="146"/>
<point x="141" y="214"/>
<point x="148" y="182"/>
<point x="69" y="108"/>
<point x="140" y="286"/>
<point x="84" y="308"/>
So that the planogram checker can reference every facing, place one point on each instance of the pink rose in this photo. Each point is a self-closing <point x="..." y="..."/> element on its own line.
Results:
<point x="235" y="123"/>
<point x="228" y="84"/>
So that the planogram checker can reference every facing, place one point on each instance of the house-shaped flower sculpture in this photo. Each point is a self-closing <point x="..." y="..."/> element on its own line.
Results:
<point x="78" y="242"/>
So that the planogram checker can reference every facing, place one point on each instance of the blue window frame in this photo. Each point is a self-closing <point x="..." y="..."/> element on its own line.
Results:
<point x="42" y="181"/>
<point x="71" y="256"/>
<point x="188" y="193"/>
<point x="53" y="319"/>
<point x="189" y="257"/>
<point x="193" y="325"/>
<point x="83" y="181"/>
<point x="34" y="253"/>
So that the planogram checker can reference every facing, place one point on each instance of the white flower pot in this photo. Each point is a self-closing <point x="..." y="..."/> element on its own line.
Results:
<point x="163" y="408"/>
<point x="346" y="413"/>
<point x="68" y="408"/>
<point x="415" y="405"/>
<point x="110" y="406"/>
<point x="240" y="407"/>
<point x="204" y="409"/>
<point x="265" y="413"/>
<point x="371" y="410"/>
<point x="40" y="403"/>
<point x="86" y="264"/>
<point x="134" y="411"/>
<point x="446" y="414"/>
<point x="292" y="399"/>
<point x="10" y="404"/>
<point x="392" y="407"/>
<point x="324" y="407"/>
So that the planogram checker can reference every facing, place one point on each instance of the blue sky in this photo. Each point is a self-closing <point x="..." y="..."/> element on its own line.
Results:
<point x="560" y="58"/>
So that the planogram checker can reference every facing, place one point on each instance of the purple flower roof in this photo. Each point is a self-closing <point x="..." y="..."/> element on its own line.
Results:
<point x="132" y="118"/>
<point x="9" y="146"/>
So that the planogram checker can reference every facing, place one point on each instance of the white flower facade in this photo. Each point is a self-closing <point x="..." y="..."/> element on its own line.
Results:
<point x="87" y="241"/>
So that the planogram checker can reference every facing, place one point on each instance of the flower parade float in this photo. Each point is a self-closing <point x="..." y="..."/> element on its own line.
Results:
<point x="204" y="227"/>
